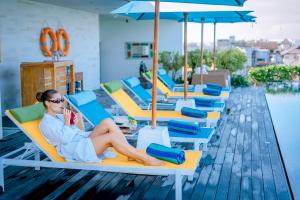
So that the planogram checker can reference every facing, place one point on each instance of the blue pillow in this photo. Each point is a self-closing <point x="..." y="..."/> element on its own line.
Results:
<point x="82" y="98"/>
<point x="132" y="82"/>
<point x="191" y="112"/>
<point x="184" y="127"/>
<point x="162" y="72"/>
<point x="204" y="102"/>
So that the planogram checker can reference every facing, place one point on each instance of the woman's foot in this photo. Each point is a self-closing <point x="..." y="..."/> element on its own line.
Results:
<point x="153" y="162"/>
<point x="137" y="160"/>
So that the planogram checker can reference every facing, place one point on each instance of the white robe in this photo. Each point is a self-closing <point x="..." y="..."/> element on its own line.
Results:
<point x="70" y="142"/>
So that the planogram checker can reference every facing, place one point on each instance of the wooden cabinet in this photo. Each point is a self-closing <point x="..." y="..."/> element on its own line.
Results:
<point x="41" y="76"/>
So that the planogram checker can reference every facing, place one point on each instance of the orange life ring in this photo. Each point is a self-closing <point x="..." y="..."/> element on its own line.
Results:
<point x="62" y="33"/>
<point x="43" y="40"/>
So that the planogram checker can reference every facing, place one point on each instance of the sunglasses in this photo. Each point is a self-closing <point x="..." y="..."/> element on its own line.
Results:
<point x="57" y="101"/>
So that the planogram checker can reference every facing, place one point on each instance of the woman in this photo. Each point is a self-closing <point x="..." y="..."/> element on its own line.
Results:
<point x="73" y="143"/>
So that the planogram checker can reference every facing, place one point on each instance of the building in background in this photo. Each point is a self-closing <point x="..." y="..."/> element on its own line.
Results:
<point x="291" y="56"/>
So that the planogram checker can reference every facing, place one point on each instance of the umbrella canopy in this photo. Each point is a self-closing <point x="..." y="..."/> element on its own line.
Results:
<point x="175" y="11"/>
<point x="212" y="2"/>
<point x="156" y="37"/>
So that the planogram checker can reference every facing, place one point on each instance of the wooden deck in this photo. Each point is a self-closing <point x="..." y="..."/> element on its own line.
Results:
<point x="242" y="161"/>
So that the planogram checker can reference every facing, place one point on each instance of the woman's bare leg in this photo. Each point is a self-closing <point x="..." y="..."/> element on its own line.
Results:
<point x="102" y="142"/>
<point x="107" y="125"/>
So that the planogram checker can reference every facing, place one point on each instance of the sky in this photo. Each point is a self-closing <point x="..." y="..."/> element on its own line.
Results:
<point x="276" y="20"/>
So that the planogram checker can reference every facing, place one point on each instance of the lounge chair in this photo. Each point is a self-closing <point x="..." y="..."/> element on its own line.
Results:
<point x="133" y="84"/>
<point x="119" y="164"/>
<point x="94" y="113"/>
<point x="170" y="94"/>
<point x="115" y="90"/>
<point x="164" y="77"/>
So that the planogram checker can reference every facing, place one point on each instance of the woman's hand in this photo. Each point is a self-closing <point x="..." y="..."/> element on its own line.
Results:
<point x="67" y="116"/>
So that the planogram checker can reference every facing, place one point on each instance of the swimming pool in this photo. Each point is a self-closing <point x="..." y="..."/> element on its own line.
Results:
<point x="284" y="105"/>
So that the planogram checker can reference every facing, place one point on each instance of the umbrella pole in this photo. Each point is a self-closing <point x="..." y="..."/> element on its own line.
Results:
<point x="155" y="63"/>
<point x="201" y="52"/>
<point x="185" y="56"/>
<point x="214" y="51"/>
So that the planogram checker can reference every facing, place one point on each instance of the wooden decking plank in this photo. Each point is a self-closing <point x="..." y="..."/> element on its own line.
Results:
<point x="30" y="182"/>
<point x="143" y="187"/>
<point x="212" y="184"/>
<point x="199" y="188"/>
<point x="281" y="185"/>
<point x="224" y="180"/>
<point x="135" y="185"/>
<point x="60" y="190"/>
<point x="91" y="183"/>
<point x="104" y="192"/>
<point x="124" y="188"/>
<point x="50" y="186"/>
<point x="268" y="180"/>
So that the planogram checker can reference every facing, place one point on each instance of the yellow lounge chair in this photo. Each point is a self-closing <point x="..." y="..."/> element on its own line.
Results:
<point x="119" y="164"/>
<point x="133" y="110"/>
<point x="171" y="94"/>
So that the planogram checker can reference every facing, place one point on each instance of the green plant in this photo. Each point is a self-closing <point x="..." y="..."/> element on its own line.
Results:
<point x="171" y="61"/>
<point x="194" y="58"/>
<point x="273" y="73"/>
<point x="239" y="81"/>
<point x="232" y="59"/>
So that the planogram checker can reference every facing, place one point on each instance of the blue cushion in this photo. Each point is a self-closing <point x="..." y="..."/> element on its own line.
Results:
<point x="167" y="80"/>
<point x="132" y="82"/>
<point x="161" y="152"/>
<point x="94" y="112"/>
<point x="142" y="93"/>
<point x="205" y="133"/>
<point x="82" y="98"/>
<point x="212" y="92"/>
<point x="214" y="86"/>
<point x="191" y="112"/>
<point x="184" y="127"/>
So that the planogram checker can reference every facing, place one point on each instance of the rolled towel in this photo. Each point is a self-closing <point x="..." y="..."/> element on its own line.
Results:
<point x="191" y="112"/>
<point x="184" y="127"/>
<point x="212" y="92"/>
<point x="161" y="152"/>
<point x="214" y="86"/>
<point x="204" y="102"/>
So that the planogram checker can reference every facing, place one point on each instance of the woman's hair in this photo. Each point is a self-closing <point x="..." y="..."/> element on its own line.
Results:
<point x="45" y="96"/>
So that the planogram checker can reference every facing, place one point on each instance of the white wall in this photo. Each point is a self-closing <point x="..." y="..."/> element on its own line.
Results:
<point x="20" y="26"/>
<point x="115" y="32"/>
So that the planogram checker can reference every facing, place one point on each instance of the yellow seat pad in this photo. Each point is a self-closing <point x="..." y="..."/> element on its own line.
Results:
<point x="191" y="162"/>
<point x="135" y="111"/>
<point x="31" y="129"/>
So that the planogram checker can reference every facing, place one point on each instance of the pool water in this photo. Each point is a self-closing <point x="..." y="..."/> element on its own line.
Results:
<point x="285" y="112"/>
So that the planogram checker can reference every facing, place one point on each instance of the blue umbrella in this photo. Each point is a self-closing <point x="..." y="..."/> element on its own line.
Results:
<point x="210" y="14"/>
<point x="155" y="48"/>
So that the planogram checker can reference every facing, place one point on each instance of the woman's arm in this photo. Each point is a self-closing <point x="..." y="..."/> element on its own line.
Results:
<point x="80" y="123"/>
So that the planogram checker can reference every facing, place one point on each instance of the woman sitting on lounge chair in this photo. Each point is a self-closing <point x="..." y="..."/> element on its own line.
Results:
<point x="73" y="143"/>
